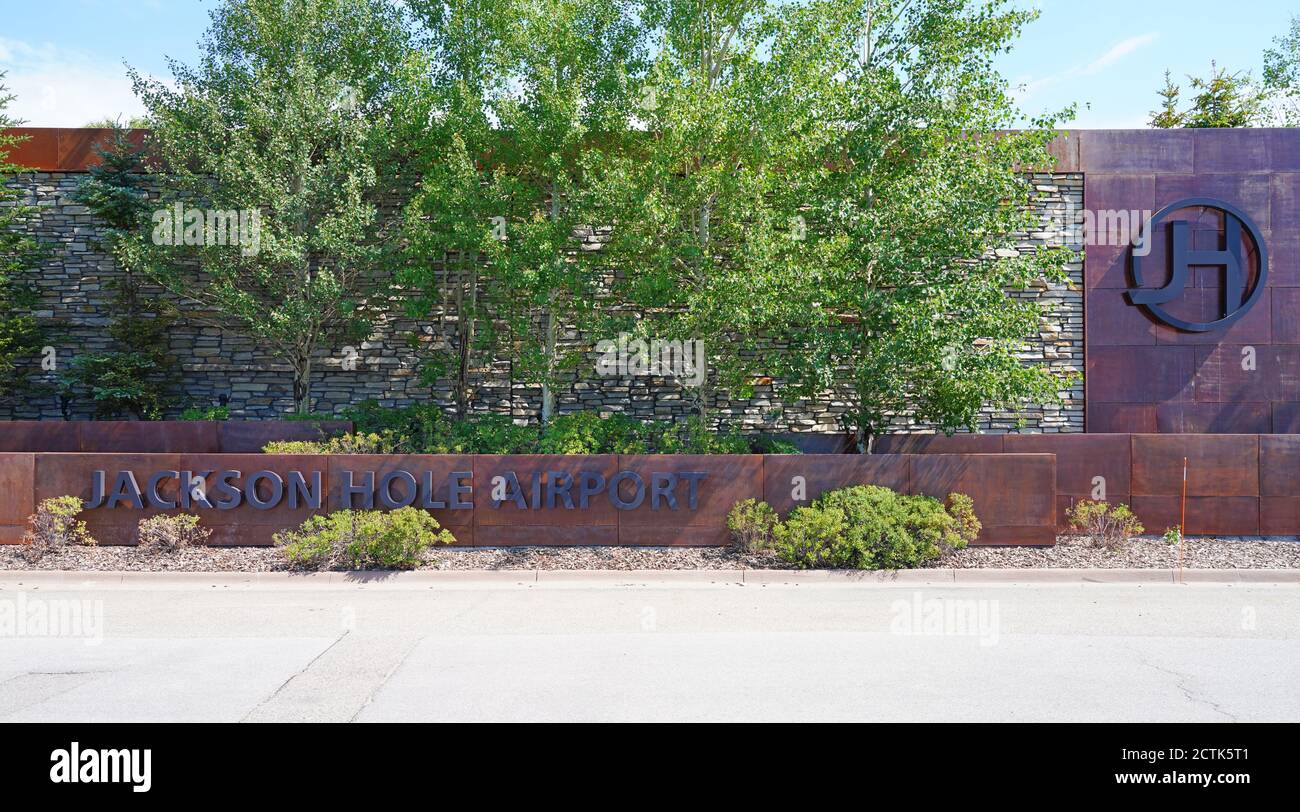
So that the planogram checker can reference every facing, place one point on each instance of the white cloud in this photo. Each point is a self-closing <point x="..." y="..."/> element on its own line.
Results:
<point x="1029" y="86"/>
<point x="1119" y="51"/>
<point x="58" y="88"/>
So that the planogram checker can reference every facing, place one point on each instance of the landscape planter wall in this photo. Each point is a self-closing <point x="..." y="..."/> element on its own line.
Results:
<point x="1237" y="484"/>
<point x="160" y="437"/>
<point x="683" y="499"/>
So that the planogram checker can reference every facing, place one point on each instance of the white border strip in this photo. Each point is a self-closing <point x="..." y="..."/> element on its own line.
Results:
<point x="429" y="579"/>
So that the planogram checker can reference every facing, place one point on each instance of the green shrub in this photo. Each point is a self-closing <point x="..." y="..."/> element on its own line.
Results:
<point x="589" y="433"/>
<point x="210" y="413"/>
<point x="342" y="444"/>
<point x="423" y="429"/>
<point x="967" y="525"/>
<point x="363" y="539"/>
<point x="580" y="433"/>
<point x="693" y="436"/>
<point x="53" y="526"/>
<point x="752" y="523"/>
<point x="168" y="533"/>
<point x="886" y="530"/>
<point x="416" y="429"/>
<point x="813" y="538"/>
<point x="294" y="447"/>
<point x="1173" y="535"/>
<point x="499" y="434"/>
<point x="626" y="435"/>
<point x="118" y="383"/>
<point x="868" y="527"/>
<point x="1104" y="524"/>
<point x="763" y="444"/>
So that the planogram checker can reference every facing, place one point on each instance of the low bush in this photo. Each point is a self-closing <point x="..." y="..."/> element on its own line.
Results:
<point x="966" y="524"/>
<point x="209" y="413"/>
<point x="1104" y="524"/>
<point x="363" y="539"/>
<point x="54" y="526"/>
<point x="168" y="533"/>
<point x="813" y="538"/>
<point x="752" y="523"/>
<point x="341" y="444"/>
<point x="770" y="445"/>
<point x="423" y="429"/>
<point x="863" y="527"/>
<point x="581" y="433"/>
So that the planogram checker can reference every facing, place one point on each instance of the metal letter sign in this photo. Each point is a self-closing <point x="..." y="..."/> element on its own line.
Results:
<point x="1183" y="257"/>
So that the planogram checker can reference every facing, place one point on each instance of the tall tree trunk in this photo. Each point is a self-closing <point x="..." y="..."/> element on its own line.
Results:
<point x="705" y="238"/>
<point x="465" y="324"/>
<point x="864" y="438"/>
<point x="302" y="384"/>
<point x="548" y="389"/>
<point x="462" y="356"/>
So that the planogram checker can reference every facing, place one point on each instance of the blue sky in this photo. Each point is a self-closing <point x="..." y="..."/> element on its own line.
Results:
<point x="65" y="58"/>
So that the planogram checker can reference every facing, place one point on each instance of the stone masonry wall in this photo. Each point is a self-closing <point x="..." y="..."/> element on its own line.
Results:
<point x="222" y="368"/>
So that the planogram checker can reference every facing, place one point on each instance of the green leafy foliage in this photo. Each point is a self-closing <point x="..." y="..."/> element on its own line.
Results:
<point x="20" y="336"/>
<point x="1168" y="116"/>
<point x="1103" y="524"/>
<point x="525" y="100"/>
<point x="363" y="539"/>
<point x="54" y="526"/>
<point x="357" y="443"/>
<point x="814" y="538"/>
<point x="424" y="429"/>
<point x="752" y="524"/>
<point x="135" y="377"/>
<point x="132" y="123"/>
<point x="966" y="525"/>
<point x="1282" y="75"/>
<point x="118" y="382"/>
<point x="205" y="413"/>
<point x="1221" y="99"/>
<point x="861" y="527"/>
<point x="286" y="114"/>
<point x="834" y="176"/>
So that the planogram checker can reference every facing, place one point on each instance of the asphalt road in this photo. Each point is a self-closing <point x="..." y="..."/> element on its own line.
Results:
<point x="187" y="650"/>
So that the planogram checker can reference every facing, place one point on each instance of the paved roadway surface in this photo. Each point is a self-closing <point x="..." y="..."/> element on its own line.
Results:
<point x="509" y="650"/>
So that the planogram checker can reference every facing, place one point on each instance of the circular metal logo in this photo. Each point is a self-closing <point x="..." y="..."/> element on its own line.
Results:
<point x="1183" y="256"/>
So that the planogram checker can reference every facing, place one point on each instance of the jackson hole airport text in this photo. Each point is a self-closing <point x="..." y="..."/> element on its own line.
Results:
<point x="263" y="490"/>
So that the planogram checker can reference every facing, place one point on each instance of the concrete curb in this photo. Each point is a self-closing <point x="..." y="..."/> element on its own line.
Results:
<point x="848" y="577"/>
<point x="1065" y="576"/>
<point x="75" y="580"/>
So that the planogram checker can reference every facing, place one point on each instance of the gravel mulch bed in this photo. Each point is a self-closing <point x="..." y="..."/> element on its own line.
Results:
<point x="1140" y="553"/>
<point x="1069" y="553"/>
<point x="129" y="559"/>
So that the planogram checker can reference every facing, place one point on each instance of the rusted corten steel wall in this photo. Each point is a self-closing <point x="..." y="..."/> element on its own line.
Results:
<point x="1014" y="495"/>
<point x="63" y="149"/>
<point x="1237" y="484"/>
<point x="1144" y="375"/>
